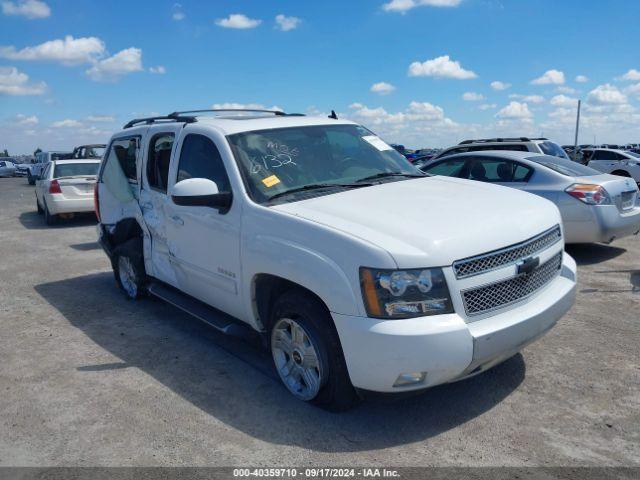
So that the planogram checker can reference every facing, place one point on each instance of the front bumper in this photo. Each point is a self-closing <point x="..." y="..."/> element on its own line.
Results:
<point x="445" y="346"/>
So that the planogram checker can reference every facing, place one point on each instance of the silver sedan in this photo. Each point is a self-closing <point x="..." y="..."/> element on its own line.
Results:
<point x="7" y="168"/>
<point x="595" y="207"/>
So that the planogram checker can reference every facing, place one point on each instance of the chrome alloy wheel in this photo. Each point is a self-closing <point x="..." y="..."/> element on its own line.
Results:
<point x="296" y="359"/>
<point x="127" y="276"/>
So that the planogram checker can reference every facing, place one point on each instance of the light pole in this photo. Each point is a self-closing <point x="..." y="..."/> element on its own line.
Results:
<point x="575" y="143"/>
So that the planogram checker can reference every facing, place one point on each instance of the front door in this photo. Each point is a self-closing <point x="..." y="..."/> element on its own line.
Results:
<point x="204" y="243"/>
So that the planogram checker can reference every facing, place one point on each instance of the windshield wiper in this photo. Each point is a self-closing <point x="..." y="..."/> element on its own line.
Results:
<point x="316" y="186"/>
<point x="393" y="174"/>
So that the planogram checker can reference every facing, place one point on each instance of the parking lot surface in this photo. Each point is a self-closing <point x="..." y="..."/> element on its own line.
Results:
<point x="89" y="378"/>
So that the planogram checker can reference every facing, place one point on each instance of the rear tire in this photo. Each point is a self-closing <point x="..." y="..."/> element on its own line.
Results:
<point x="48" y="217"/>
<point x="307" y="353"/>
<point x="30" y="179"/>
<point x="128" y="268"/>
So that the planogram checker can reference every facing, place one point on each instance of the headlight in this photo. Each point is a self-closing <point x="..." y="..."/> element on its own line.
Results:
<point x="405" y="293"/>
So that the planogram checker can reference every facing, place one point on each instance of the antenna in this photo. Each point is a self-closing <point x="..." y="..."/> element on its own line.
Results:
<point x="333" y="115"/>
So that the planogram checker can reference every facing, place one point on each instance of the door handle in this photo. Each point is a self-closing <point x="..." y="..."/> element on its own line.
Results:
<point x="177" y="220"/>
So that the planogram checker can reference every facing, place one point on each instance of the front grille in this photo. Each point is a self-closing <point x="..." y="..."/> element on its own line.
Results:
<point x="499" y="258"/>
<point x="501" y="294"/>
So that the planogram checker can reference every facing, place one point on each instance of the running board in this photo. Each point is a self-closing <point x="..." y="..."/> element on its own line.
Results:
<point x="203" y="312"/>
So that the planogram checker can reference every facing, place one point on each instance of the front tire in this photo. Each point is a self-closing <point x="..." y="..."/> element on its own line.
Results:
<point x="128" y="268"/>
<point x="307" y="353"/>
<point x="38" y="207"/>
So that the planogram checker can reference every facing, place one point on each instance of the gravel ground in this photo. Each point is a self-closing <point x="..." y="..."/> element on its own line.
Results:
<point x="89" y="378"/>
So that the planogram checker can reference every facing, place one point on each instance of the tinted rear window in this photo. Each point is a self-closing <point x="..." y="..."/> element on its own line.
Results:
<point x="565" y="167"/>
<point x="550" y="148"/>
<point x="75" y="169"/>
<point x="61" y="156"/>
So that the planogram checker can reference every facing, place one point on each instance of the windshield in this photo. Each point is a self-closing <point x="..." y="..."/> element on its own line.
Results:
<point x="61" y="156"/>
<point x="565" y="167"/>
<point x="278" y="160"/>
<point x="91" y="152"/>
<point x="550" y="148"/>
<point x="75" y="169"/>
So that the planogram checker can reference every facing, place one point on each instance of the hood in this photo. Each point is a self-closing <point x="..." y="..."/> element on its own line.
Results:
<point x="432" y="221"/>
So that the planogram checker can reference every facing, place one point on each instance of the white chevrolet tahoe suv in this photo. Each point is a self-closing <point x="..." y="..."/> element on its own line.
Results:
<point x="359" y="272"/>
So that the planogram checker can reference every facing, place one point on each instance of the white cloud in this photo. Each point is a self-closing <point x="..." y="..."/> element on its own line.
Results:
<point x="440" y="67"/>
<point x="239" y="21"/>
<point x="633" y="89"/>
<point x="25" y="120"/>
<point x="31" y="9"/>
<point x="565" y="89"/>
<point x="487" y="106"/>
<point x="113" y="68"/>
<point x="241" y="106"/>
<point x="382" y="88"/>
<point x="632" y="75"/>
<point x="178" y="15"/>
<point x="68" y="51"/>
<point x="472" y="97"/>
<point x="564" y="101"/>
<point x="160" y="70"/>
<point x="550" y="77"/>
<point x="285" y="23"/>
<point x="403" y="6"/>
<point x="606" y="94"/>
<point x="582" y="79"/>
<point x="498" y="85"/>
<point x="101" y="118"/>
<point x="528" y="98"/>
<point x="16" y="83"/>
<point x="68" y="123"/>
<point x="515" y="110"/>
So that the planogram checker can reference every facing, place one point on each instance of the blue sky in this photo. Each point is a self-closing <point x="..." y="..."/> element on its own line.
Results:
<point x="75" y="71"/>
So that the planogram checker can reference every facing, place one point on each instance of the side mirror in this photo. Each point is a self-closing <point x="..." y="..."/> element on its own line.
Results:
<point x="201" y="192"/>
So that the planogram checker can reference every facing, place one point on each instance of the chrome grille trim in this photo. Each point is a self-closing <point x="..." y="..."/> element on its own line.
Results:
<point x="490" y="297"/>
<point x="468" y="267"/>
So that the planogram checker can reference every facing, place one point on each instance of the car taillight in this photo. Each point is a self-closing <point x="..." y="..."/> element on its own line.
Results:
<point x="96" y="201"/>
<point x="589" y="194"/>
<point x="54" y="187"/>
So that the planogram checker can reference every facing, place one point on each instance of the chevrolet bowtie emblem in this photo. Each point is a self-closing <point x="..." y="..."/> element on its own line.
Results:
<point x="527" y="265"/>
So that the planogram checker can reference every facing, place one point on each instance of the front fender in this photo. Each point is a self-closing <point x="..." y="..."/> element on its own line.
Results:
<point x="302" y="265"/>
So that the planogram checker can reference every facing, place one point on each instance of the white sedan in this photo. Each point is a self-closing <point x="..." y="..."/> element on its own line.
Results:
<point x="66" y="187"/>
<point x="7" y="169"/>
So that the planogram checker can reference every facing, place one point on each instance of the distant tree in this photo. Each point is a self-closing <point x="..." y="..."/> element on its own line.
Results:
<point x="38" y="150"/>
<point x="5" y="153"/>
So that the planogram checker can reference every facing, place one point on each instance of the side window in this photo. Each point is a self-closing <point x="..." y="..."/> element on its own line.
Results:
<point x="497" y="170"/>
<point x="158" y="162"/>
<point x="45" y="173"/>
<point x="125" y="152"/>
<point x="448" y="168"/>
<point x="200" y="158"/>
<point x="620" y="156"/>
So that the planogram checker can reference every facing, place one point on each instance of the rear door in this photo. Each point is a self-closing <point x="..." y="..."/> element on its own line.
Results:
<point x="158" y="151"/>
<point x="604" y="160"/>
<point x="118" y="179"/>
<point x="42" y="182"/>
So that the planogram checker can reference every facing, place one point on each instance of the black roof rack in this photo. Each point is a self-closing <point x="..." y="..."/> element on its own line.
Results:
<point x="169" y="118"/>
<point x="496" y="140"/>
<point x="181" y="117"/>
<point x="250" y="110"/>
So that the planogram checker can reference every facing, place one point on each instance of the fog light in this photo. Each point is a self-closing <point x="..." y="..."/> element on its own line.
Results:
<point x="407" y="379"/>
